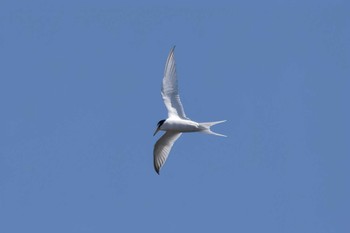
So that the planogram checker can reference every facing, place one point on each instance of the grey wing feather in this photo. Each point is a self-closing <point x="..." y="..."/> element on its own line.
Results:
<point x="170" y="91"/>
<point x="162" y="148"/>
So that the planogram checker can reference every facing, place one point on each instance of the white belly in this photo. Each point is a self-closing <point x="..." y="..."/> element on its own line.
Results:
<point x="180" y="125"/>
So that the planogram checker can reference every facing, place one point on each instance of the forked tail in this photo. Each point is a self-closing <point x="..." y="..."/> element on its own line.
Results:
<point x="206" y="127"/>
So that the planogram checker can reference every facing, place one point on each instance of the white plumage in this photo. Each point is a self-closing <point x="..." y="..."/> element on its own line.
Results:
<point x="177" y="121"/>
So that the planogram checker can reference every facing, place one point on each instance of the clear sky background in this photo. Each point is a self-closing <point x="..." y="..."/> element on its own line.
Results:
<point x="80" y="100"/>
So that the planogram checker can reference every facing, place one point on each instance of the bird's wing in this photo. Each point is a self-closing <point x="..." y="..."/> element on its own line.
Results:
<point x="170" y="91"/>
<point x="162" y="148"/>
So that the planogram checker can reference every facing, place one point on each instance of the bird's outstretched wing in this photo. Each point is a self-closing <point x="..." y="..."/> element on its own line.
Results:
<point x="162" y="148"/>
<point x="170" y="91"/>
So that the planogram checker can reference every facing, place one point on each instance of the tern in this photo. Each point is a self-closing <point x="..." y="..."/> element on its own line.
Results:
<point x="177" y="121"/>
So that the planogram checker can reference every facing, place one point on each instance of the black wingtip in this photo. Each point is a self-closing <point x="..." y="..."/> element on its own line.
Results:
<point x="156" y="168"/>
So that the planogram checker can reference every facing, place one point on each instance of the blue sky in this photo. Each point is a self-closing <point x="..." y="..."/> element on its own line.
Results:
<point x="80" y="99"/>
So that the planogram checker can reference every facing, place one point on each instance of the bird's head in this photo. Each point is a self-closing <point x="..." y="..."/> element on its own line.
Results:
<point x="160" y="123"/>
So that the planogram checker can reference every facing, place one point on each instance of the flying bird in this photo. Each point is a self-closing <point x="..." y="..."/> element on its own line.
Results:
<point x="177" y="121"/>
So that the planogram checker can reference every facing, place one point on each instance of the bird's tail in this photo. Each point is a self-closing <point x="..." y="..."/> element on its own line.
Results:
<point x="206" y="127"/>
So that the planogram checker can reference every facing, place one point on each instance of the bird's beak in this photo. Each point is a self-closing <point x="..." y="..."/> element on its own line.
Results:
<point x="156" y="131"/>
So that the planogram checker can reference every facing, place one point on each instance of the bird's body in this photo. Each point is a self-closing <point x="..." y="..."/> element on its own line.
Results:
<point x="180" y="125"/>
<point x="177" y="121"/>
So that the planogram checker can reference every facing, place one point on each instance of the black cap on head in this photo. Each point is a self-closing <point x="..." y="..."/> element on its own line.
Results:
<point x="160" y="123"/>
